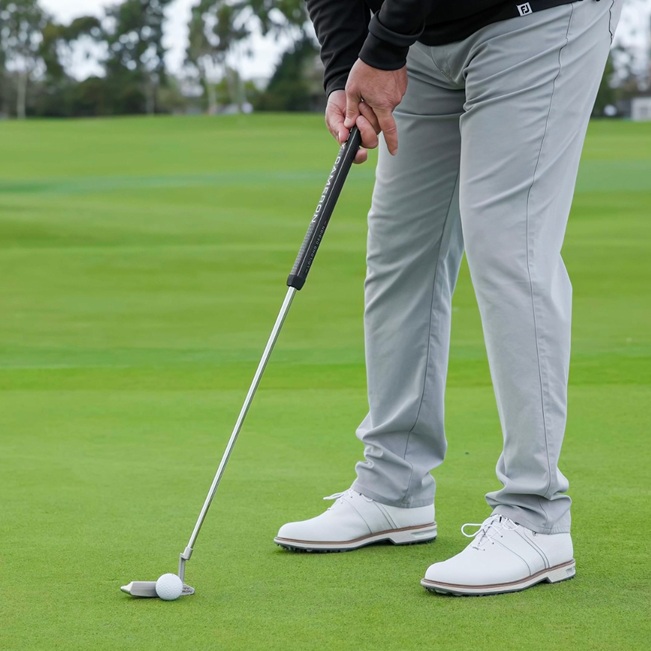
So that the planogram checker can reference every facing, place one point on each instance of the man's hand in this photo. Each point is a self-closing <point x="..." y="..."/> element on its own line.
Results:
<point x="334" y="116"/>
<point x="371" y="97"/>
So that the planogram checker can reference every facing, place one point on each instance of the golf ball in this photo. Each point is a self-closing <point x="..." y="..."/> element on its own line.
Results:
<point x="169" y="587"/>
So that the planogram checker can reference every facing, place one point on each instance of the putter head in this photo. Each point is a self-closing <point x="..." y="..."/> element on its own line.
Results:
<point x="148" y="589"/>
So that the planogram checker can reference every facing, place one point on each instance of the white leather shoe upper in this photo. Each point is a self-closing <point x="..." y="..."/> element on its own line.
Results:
<point x="502" y="552"/>
<point x="355" y="516"/>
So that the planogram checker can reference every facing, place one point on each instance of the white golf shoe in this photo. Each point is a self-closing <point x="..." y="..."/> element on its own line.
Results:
<point x="354" y="521"/>
<point x="503" y="557"/>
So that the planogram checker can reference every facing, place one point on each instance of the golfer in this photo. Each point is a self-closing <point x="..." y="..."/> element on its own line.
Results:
<point x="482" y="108"/>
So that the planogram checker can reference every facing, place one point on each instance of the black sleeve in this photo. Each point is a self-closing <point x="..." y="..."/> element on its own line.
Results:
<point x="392" y="30"/>
<point x="341" y="27"/>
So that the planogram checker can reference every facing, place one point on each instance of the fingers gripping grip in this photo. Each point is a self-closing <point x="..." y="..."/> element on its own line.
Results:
<point x="324" y="210"/>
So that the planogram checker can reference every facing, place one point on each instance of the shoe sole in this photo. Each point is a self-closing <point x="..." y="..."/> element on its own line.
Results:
<point x="556" y="574"/>
<point x="404" y="536"/>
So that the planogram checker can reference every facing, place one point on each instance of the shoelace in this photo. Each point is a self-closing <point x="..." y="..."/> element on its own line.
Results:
<point x="495" y="523"/>
<point x="335" y="496"/>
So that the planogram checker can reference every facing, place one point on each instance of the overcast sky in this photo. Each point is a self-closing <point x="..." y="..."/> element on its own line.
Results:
<point x="634" y="29"/>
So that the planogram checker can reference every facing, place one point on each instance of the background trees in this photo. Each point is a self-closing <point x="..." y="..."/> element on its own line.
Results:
<point x="38" y="75"/>
<point x="219" y="30"/>
<point x="40" y="71"/>
<point x="135" y="65"/>
<point x="296" y="83"/>
<point x="58" y="93"/>
<point x="216" y="28"/>
<point x="21" y="32"/>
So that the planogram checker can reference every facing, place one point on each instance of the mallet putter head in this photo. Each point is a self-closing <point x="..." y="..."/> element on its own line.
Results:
<point x="148" y="589"/>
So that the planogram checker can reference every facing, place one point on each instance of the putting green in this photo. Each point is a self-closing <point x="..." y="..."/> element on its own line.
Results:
<point x="143" y="263"/>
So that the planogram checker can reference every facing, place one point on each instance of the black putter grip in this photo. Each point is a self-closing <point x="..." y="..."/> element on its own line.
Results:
<point x="324" y="210"/>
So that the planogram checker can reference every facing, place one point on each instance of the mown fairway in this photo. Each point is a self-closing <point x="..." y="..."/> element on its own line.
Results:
<point x="142" y="264"/>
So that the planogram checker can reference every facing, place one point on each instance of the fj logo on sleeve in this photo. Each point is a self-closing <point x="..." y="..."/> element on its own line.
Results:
<point x="524" y="9"/>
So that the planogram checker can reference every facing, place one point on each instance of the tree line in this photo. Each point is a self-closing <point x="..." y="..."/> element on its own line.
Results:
<point x="39" y="58"/>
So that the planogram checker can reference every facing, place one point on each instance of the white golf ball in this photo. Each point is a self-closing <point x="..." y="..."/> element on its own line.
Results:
<point x="169" y="587"/>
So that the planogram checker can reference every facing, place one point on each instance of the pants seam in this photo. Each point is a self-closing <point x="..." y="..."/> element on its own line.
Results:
<point x="539" y="348"/>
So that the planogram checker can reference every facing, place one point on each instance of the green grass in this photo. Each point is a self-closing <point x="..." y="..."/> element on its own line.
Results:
<point x="142" y="263"/>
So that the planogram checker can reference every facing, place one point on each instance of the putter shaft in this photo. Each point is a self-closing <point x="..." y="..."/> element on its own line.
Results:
<point x="187" y="552"/>
<point x="295" y="282"/>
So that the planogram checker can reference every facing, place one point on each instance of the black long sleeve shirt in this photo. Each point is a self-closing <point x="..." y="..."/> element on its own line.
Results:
<point x="380" y="33"/>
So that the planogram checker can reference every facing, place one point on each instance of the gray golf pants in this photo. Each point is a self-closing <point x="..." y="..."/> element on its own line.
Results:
<point x="491" y="131"/>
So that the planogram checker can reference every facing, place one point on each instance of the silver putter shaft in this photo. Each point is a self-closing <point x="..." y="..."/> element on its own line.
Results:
<point x="295" y="282"/>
